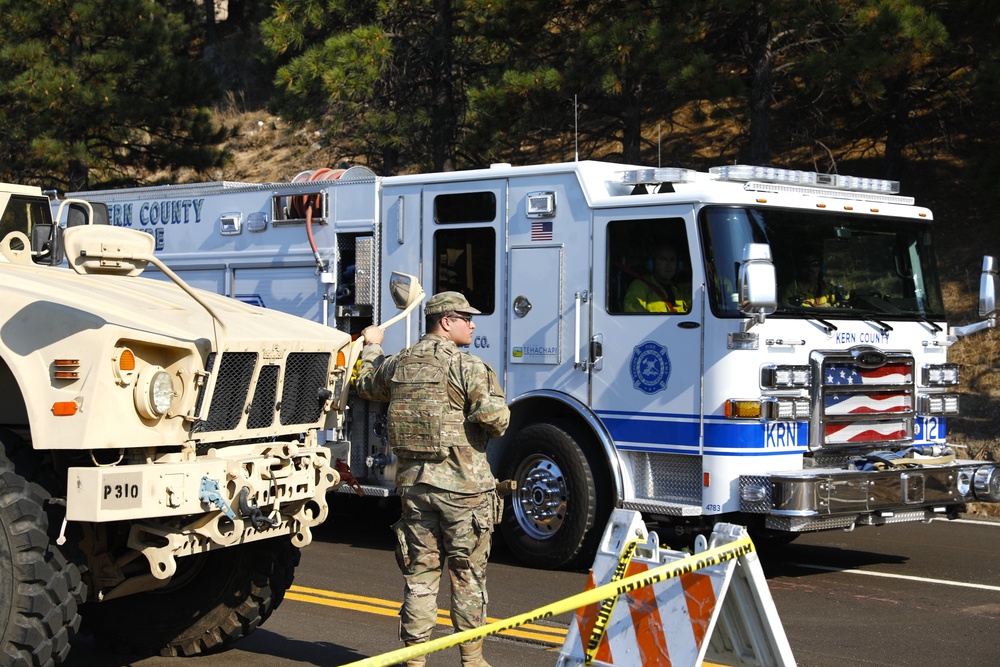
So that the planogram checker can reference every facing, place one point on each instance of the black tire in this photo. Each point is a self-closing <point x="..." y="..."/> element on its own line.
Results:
<point x="40" y="592"/>
<point x="214" y="599"/>
<point x="555" y="517"/>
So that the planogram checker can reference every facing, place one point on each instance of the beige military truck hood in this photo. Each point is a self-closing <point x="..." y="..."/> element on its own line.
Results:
<point x="54" y="298"/>
<point x="62" y="337"/>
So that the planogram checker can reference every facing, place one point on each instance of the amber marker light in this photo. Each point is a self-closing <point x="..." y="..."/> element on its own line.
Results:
<point x="64" y="408"/>
<point x="736" y="408"/>
<point x="66" y="369"/>
<point x="126" y="360"/>
<point x="341" y="359"/>
<point x="124" y="365"/>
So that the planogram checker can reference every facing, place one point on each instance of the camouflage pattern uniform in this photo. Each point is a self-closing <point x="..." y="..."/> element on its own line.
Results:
<point x="449" y="507"/>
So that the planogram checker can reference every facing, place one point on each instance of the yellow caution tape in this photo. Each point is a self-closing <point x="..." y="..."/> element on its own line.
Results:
<point x="709" y="558"/>
<point x="608" y="604"/>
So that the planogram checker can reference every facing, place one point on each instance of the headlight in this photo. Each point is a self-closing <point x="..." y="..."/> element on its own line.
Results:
<point x="938" y="404"/>
<point x="783" y="377"/>
<point x="154" y="392"/>
<point x="785" y="409"/>
<point x="940" y="375"/>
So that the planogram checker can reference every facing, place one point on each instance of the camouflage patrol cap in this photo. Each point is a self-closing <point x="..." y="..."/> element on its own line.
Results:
<point x="449" y="302"/>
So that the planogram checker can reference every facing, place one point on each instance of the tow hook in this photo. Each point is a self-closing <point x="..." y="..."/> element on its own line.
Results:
<point x="251" y="511"/>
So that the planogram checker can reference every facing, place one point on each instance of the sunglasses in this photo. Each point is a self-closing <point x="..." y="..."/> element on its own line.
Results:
<point x="467" y="318"/>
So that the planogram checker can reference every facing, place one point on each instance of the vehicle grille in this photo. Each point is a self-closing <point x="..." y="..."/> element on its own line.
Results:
<point x="265" y="396"/>
<point x="303" y="378"/>
<point x="862" y="403"/>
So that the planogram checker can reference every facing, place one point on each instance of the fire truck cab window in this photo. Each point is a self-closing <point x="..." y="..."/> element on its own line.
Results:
<point x="649" y="268"/>
<point x="465" y="261"/>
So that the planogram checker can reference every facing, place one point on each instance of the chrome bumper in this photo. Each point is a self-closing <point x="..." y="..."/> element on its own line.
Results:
<point x="826" y="493"/>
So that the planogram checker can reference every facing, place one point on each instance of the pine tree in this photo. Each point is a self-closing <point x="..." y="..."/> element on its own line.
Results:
<point x="97" y="91"/>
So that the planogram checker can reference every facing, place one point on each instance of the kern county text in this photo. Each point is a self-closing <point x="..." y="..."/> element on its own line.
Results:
<point x="152" y="213"/>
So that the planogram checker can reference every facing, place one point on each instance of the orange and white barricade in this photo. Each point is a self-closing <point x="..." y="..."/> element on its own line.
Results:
<point x="712" y="605"/>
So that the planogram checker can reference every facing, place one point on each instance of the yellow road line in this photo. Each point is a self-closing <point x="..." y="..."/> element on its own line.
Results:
<point x="532" y="631"/>
<point x="540" y="633"/>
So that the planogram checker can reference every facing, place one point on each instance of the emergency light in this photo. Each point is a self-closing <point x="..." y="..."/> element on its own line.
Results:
<point x="741" y="172"/>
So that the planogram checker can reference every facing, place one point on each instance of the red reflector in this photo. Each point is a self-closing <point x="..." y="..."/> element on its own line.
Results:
<point x="66" y="362"/>
<point x="66" y="375"/>
<point x="705" y="480"/>
<point x="64" y="408"/>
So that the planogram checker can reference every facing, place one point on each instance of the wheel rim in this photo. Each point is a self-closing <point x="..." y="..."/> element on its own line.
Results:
<point x="540" y="498"/>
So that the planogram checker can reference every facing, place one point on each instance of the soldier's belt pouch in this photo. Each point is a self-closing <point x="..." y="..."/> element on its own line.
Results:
<point x="415" y="425"/>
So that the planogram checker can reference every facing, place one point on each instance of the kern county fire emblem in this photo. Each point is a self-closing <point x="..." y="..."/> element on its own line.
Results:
<point x="650" y="367"/>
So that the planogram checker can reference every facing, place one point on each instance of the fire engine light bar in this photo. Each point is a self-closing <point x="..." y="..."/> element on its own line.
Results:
<point x="938" y="404"/>
<point x="940" y="375"/>
<point x="781" y="377"/>
<point x="741" y="172"/>
<point x="736" y="408"/>
<point x="657" y="176"/>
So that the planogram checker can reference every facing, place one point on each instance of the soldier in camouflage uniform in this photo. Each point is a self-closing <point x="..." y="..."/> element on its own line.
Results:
<point x="444" y="405"/>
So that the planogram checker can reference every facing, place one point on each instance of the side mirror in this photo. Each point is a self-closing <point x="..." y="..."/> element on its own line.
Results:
<point x="80" y="213"/>
<point x="989" y="285"/>
<point x="404" y="289"/>
<point x="106" y="249"/>
<point x="406" y="293"/>
<point x="757" y="283"/>
<point x="46" y="244"/>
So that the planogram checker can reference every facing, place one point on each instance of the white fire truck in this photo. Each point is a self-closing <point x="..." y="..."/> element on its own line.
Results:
<point x="796" y="381"/>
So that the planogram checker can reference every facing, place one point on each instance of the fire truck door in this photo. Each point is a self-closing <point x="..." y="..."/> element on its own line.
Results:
<point x="647" y="329"/>
<point x="463" y="246"/>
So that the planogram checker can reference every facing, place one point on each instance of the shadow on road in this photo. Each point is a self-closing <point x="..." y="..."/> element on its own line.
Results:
<point x="320" y="653"/>
<point x="787" y="560"/>
<point x="367" y="523"/>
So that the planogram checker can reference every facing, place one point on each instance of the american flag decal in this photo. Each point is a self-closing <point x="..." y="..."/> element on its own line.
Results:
<point x="867" y="403"/>
<point x="541" y="230"/>
<point x="847" y="432"/>
<point x="849" y="374"/>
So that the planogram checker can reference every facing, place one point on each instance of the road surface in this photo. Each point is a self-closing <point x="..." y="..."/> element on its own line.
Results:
<point x="911" y="594"/>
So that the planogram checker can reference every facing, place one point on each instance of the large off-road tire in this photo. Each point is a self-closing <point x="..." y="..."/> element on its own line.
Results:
<point x="40" y="592"/>
<point x="214" y="599"/>
<point x="556" y="515"/>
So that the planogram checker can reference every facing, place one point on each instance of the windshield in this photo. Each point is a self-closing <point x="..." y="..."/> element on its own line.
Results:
<point x="22" y="214"/>
<point x="846" y="265"/>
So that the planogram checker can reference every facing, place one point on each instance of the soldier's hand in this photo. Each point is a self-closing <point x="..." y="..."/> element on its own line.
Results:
<point x="373" y="334"/>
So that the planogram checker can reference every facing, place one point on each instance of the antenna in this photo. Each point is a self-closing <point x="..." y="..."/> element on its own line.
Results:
<point x="659" y="160"/>
<point x="576" y="131"/>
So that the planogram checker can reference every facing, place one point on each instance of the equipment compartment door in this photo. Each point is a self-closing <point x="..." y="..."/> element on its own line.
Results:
<point x="464" y="244"/>
<point x="647" y="318"/>
<point x="535" y="286"/>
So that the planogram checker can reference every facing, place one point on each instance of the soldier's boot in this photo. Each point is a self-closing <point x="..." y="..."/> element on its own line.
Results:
<point x="419" y="661"/>
<point x="472" y="654"/>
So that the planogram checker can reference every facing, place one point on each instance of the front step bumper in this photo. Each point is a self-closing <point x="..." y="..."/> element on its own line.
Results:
<point x="817" y="498"/>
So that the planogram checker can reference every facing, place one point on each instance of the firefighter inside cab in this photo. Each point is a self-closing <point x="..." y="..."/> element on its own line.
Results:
<point x="656" y="290"/>
<point x="808" y="285"/>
